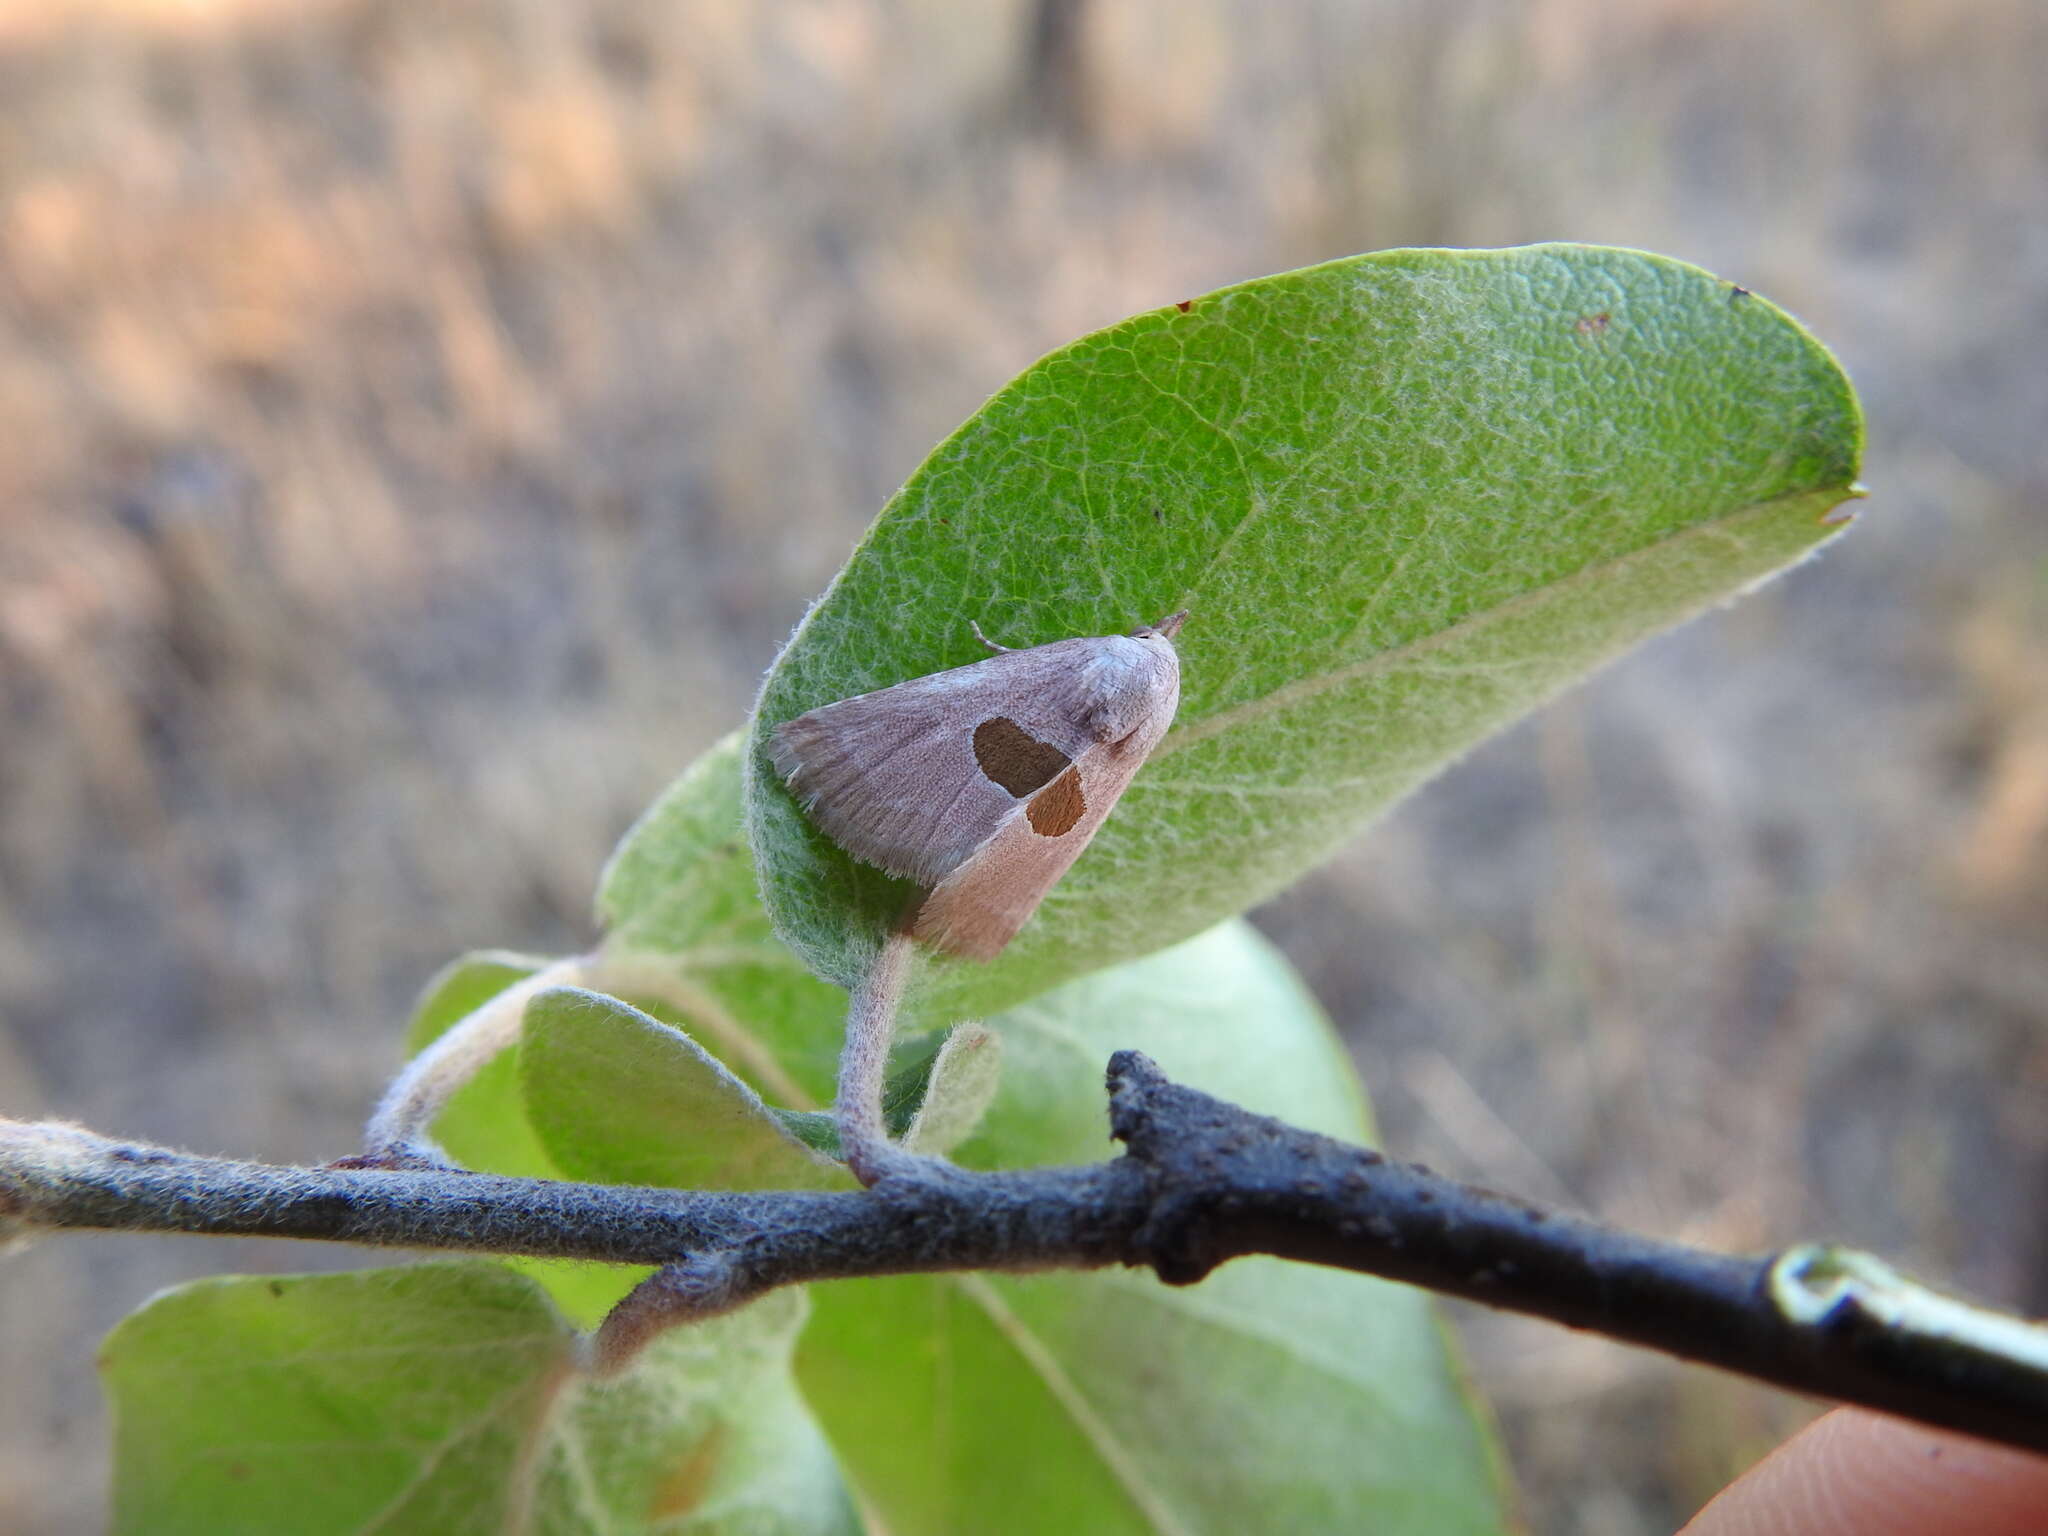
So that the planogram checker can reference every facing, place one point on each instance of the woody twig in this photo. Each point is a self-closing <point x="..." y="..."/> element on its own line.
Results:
<point x="1200" y="1182"/>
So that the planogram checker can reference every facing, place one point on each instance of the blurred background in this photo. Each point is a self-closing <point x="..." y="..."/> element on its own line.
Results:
<point x="419" y="424"/>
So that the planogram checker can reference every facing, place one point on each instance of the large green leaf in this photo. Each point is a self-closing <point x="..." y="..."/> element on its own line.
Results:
<point x="1406" y="496"/>
<point x="444" y="1399"/>
<point x="1272" y="1397"/>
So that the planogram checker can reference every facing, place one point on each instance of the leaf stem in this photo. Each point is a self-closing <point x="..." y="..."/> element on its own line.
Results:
<point x="396" y="1134"/>
<point x="864" y="1064"/>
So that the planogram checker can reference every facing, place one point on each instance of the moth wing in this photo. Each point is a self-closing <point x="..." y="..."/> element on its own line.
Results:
<point x="978" y="908"/>
<point x="893" y="777"/>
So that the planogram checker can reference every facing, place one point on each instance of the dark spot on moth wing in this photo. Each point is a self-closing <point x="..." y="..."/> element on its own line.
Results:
<point x="1056" y="809"/>
<point x="1014" y="758"/>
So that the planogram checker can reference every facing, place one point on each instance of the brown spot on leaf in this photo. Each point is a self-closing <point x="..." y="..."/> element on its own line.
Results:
<point x="1014" y="758"/>
<point x="1737" y="291"/>
<point x="683" y="1489"/>
<point x="1184" y="305"/>
<point x="1591" y="325"/>
<point x="1057" y="807"/>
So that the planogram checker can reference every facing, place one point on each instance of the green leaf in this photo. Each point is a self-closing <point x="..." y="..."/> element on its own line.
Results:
<point x="1406" y="496"/>
<point x="621" y="1098"/>
<point x="687" y="936"/>
<point x="939" y="1085"/>
<point x="1272" y="1397"/>
<point x="481" y="1126"/>
<point x="485" y="1125"/>
<point x="960" y="1087"/>
<point x="617" y="1097"/>
<point x="447" y="1399"/>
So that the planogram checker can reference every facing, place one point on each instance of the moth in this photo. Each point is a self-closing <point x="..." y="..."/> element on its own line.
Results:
<point x="985" y="782"/>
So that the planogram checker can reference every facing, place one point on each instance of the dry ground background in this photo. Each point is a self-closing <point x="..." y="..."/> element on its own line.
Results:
<point x="420" y="422"/>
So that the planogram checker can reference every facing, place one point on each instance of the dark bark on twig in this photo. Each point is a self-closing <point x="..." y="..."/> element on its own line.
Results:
<point x="1201" y="1182"/>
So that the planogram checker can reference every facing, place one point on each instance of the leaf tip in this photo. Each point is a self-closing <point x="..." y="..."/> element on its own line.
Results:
<point x="1845" y="511"/>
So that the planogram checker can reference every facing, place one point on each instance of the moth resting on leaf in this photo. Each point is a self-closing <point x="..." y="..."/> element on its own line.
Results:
<point x="985" y="782"/>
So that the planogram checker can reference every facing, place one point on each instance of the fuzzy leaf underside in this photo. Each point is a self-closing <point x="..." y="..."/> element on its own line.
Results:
<point x="1407" y="497"/>
<point x="445" y="1399"/>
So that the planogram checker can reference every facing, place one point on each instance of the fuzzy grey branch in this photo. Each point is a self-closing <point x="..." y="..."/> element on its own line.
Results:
<point x="1200" y="1182"/>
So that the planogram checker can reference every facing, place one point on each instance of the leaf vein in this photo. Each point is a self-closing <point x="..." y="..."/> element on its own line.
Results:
<point x="1720" y="527"/>
<point x="1034" y="1352"/>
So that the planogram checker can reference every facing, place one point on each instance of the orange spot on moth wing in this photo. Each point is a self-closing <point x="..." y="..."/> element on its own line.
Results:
<point x="978" y="909"/>
<point x="984" y="783"/>
<point x="1055" y="810"/>
<point x="682" y="1489"/>
<point x="893" y="776"/>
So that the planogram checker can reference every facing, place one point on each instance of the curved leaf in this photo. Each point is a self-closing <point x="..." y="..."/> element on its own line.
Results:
<point x="1406" y="496"/>
<point x="963" y="1081"/>
<point x="622" y="1098"/>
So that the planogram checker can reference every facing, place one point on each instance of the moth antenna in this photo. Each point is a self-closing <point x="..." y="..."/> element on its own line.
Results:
<point x="975" y="625"/>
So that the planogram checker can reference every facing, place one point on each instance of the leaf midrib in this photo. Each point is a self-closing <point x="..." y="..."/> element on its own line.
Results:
<point x="1038" y="1357"/>
<point x="1288" y="694"/>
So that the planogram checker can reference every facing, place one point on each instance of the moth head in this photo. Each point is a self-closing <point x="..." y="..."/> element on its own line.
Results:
<point x="1165" y="629"/>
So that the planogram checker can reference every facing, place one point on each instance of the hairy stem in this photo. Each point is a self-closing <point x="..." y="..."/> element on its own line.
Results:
<point x="397" y="1130"/>
<point x="864" y="1064"/>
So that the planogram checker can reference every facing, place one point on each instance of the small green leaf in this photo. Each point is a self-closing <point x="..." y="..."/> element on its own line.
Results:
<point x="446" y="1399"/>
<point x="962" y="1084"/>
<point x="485" y="1125"/>
<point x="481" y="1126"/>
<point x="943" y="1072"/>
<point x="1272" y="1397"/>
<point x="687" y="936"/>
<point x="1406" y="496"/>
<point x="461" y="987"/>
<point x="621" y="1098"/>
